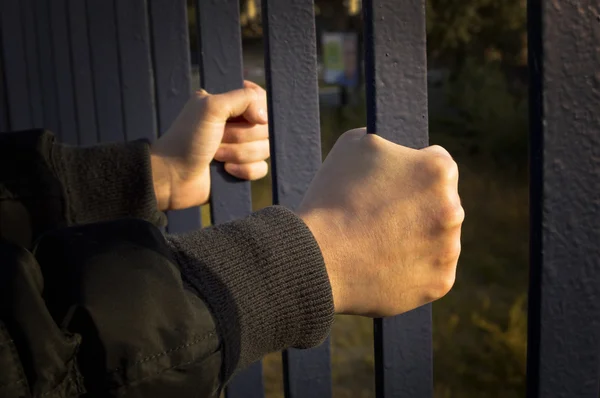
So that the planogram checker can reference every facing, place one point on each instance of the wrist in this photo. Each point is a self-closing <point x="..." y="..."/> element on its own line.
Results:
<point x="161" y="180"/>
<point x="326" y="238"/>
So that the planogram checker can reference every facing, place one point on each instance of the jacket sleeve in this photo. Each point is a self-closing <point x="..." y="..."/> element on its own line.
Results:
<point x="152" y="315"/>
<point x="132" y="313"/>
<point x="265" y="281"/>
<point x="45" y="184"/>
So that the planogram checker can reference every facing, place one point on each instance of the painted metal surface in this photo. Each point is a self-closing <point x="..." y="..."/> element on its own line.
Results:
<point x="15" y="65"/>
<point x="220" y="67"/>
<point x="220" y="58"/>
<point x="34" y="84"/>
<point x="396" y="84"/>
<point x="291" y="72"/>
<point x="47" y="69"/>
<point x="105" y="64"/>
<point x="137" y="74"/>
<point x="83" y="78"/>
<point x="63" y="74"/>
<point x="4" y="120"/>
<point x="564" y="296"/>
<point x="172" y="81"/>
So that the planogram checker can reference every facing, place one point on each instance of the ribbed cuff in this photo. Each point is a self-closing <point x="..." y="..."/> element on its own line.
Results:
<point x="265" y="281"/>
<point x="107" y="181"/>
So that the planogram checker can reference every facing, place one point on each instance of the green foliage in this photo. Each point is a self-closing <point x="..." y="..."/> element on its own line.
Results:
<point x="482" y="29"/>
<point x="489" y="119"/>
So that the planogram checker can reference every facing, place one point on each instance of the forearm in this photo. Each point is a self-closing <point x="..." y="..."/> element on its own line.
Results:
<point x="57" y="185"/>
<point x="265" y="281"/>
<point x="223" y="295"/>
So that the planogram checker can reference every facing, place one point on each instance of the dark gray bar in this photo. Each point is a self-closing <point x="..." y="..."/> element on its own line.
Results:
<point x="564" y="295"/>
<point x="47" y="68"/>
<point x="105" y="67"/>
<point x="33" y="63"/>
<point x="63" y="72"/>
<point x="136" y="69"/>
<point x="292" y="81"/>
<point x="15" y="64"/>
<point x="85" y="103"/>
<point x="220" y="60"/>
<point x="4" y="121"/>
<point x="172" y="77"/>
<point x="396" y="84"/>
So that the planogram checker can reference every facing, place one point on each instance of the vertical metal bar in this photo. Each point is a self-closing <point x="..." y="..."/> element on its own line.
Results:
<point x="4" y="120"/>
<point x="292" y="82"/>
<point x="396" y="84"/>
<point x="172" y="78"/>
<point x="63" y="72"/>
<point x="105" y="68"/>
<point x="47" y="66"/>
<point x="564" y="296"/>
<point x="136" y="69"/>
<point x="220" y="59"/>
<point x="15" y="64"/>
<point x="85" y="104"/>
<point x="33" y="70"/>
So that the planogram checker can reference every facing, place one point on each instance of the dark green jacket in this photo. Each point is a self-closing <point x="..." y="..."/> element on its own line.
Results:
<point x="96" y="301"/>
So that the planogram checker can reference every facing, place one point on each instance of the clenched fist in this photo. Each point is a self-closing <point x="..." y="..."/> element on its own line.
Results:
<point x="230" y="128"/>
<point x="388" y="221"/>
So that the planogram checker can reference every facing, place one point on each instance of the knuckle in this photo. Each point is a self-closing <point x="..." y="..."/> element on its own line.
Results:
<point x="439" y="167"/>
<point x="440" y="150"/>
<point x="446" y="284"/>
<point x="201" y="94"/>
<point x="354" y="134"/>
<point x="252" y="94"/>
<point x="442" y="286"/>
<point x="210" y="101"/>
<point x="451" y="215"/>
<point x="372" y="141"/>
<point x="447" y="256"/>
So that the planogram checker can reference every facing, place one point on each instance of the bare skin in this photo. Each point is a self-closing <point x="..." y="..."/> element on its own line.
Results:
<point x="387" y="218"/>
<point x="388" y="221"/>
<point x="230" y="128"/>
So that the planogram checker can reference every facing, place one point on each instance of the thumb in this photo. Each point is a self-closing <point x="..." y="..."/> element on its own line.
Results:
<point x="249" y="102"/>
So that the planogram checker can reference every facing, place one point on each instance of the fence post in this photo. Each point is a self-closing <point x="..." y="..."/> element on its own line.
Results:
<point x="137" y="74"/>
<point x="83" y="74"/>
<point x="172" y="81"/>
<point x="47" y="70"/>
<point x="292" y="81"/>
<point x="564" y="295"/>
<point x="220" y="64"/>
<point x="15" y="67"/>
<point x="396" y="84"/>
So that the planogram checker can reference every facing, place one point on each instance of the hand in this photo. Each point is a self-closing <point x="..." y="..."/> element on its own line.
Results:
<point x="230" y="128"/>
<point x="388" y="221"/>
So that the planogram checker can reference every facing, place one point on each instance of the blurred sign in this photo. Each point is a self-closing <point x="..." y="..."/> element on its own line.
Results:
<point x="340" y="58"/>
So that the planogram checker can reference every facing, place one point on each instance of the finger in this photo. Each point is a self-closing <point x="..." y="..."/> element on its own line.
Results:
<point x="236" y="133"/>
<point x="248" y="171"/>
<point x="249" y="102"/>
<point x="247" y="152"/>
<point x="257" y="111"/>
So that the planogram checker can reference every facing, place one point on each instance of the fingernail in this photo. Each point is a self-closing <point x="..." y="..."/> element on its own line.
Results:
<point x="262" y="113"/>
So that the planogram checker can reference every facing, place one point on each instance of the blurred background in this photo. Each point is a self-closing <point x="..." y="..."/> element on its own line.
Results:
<point x="477" y="62"/>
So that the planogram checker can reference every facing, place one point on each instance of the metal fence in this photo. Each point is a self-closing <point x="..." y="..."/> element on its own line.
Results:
<point x="97" y="70"/>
